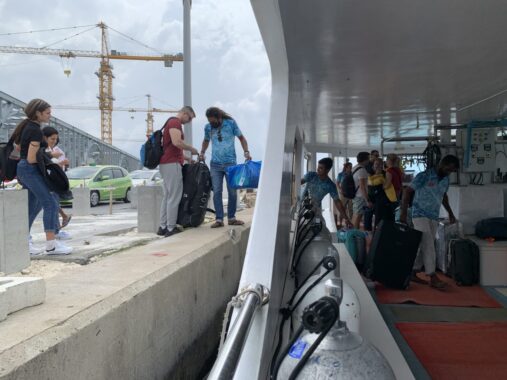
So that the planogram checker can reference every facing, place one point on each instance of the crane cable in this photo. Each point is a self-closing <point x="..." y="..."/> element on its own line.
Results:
<point x="67" y="38"/>
<point x="133" y="39"/>
<point x="45" y="30"/>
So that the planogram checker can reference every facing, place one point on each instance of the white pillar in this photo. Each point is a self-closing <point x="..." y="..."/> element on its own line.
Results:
<point x="149" y="199"/>
<point x="187" y="67"/>
<point x="81" y="201"/>
<point x="14" y="255"/>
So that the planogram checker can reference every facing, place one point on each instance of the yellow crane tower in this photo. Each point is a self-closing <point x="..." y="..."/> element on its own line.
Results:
<point x="105" y="72"/>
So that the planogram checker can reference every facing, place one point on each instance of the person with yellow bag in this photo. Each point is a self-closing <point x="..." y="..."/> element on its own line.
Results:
<point x="383" y="197"/>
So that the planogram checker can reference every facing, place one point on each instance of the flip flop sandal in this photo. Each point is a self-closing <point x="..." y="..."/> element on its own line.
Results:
<point x="217" y="224"/>
<point x="66" y="221"/>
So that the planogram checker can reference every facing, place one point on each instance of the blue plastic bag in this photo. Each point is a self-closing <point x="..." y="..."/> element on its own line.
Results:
<point x="244" y="176"/>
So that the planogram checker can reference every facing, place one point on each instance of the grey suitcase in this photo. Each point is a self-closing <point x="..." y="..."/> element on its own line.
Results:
<point x="445" y="233"/>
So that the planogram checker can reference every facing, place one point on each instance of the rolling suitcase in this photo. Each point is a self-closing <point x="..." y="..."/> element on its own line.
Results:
<point x="464" y="261"/>
<point x="392" y="254"/>
<point x="355" y="242"/>
<point x="445" y="233"/>
<point x="196" y="193"/>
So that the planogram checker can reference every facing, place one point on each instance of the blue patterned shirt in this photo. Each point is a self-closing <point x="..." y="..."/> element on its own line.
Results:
<point x="429" y="192"/>
<point x="319" y="188"/>
<point x="222" y="152"/>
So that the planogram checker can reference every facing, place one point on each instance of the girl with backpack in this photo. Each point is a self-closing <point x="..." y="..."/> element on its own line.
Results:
<point x="28" y="136"/>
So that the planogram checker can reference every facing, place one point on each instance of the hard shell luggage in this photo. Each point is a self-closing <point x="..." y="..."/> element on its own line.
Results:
<point x="355" y="242"/>
<point x="392" y="254"/>
<point x="196" y="193"/>
<point x="445" y="233"/>
<point x="465" y="261"/>
<point x="495" y="228"/>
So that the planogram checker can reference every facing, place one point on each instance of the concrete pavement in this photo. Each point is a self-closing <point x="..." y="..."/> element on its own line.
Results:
<point x="139" y="313"/>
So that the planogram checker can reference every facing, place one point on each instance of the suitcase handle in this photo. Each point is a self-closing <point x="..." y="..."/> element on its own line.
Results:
<point x="402" y="226"/>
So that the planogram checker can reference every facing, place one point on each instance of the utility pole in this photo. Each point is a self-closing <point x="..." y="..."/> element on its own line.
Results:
<point x="187" y="67"/>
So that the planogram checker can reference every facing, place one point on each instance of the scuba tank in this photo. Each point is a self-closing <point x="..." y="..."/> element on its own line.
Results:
<point x="350" y="308"/>
<point x="309" y="256"/>
<point x="330" y="350"/>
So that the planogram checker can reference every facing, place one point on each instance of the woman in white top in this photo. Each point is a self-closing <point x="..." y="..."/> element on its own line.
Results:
<point x="57" y="156"/>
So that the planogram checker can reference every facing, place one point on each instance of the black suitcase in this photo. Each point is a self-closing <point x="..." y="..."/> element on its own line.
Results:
<point x="392" y="254"/>
<point x="464" y="261"/>
<point x="196" y="193"/>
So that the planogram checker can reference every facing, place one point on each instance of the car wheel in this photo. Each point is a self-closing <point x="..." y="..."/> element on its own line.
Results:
<point x="94" y="198"/>
<point x="127" y="196"/>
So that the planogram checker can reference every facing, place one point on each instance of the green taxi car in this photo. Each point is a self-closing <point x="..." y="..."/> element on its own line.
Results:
<point x="99" y="179"/>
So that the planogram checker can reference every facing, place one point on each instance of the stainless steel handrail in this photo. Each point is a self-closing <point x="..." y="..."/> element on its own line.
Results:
<point x="228" y="358"/>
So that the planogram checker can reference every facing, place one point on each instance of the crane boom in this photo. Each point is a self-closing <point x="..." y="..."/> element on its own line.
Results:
<point x="65" y="53"/>
<point x="105" y="74"/>
<point x="88" y="108"/>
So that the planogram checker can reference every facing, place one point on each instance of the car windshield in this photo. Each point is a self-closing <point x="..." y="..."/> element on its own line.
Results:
<point x="140" y="175"/>
<point x="81" y="173"/>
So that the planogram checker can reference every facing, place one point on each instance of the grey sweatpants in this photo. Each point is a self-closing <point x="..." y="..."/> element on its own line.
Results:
<point x="173" y="189"/>
<point x="426" y="255"/>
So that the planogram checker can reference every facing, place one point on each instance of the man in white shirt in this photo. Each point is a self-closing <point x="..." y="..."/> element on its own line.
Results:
<point x="360" y="201"/>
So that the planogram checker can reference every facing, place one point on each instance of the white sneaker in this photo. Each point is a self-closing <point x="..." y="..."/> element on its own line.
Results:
<point x="59" y="249"/>
<point x="34" y="251"/>
<point x="63" y="235"/>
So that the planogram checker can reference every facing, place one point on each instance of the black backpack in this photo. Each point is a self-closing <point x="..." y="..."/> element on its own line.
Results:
<point x="152" y="150"/>
<point x="8" y="166"/>
<point x="495" y="228"/>
<point x="348" y="186"/>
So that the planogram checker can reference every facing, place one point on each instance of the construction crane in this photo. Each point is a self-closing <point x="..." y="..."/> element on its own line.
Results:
<point x="149" y="112"/>
<point x="105" y="72"/>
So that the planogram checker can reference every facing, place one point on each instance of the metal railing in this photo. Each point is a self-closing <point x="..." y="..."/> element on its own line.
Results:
<point x="228" y="357"/>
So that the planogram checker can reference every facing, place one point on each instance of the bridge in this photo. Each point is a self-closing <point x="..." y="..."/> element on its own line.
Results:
<point x="79" y="147"/>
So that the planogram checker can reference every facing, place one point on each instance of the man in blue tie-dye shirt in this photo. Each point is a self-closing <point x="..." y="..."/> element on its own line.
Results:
<point x="318" y="185"/>
<point x="222" y="130"/>
<point x="430" y="189"/>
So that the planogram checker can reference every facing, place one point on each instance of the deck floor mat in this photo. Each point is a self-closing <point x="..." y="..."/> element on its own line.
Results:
<point x="453" y="295"/>
<point x="459" y="350"/>
<point x="417" y="313"/>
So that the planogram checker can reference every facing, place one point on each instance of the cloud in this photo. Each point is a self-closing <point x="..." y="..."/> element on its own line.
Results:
<point x="229" y="65"/>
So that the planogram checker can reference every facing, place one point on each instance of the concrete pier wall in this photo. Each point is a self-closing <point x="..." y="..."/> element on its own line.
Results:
<point x="162" y="326"/>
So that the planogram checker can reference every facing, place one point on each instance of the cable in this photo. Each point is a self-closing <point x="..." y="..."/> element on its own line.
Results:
<point x="45" y="30"/>
<point x="139" y="42"/>
<point x="67" y="38"/>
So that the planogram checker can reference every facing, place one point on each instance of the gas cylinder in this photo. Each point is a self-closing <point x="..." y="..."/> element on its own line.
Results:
<point x="312" y="254"/>
<point x="350" y="309"/>
<point x="342" y="354"/>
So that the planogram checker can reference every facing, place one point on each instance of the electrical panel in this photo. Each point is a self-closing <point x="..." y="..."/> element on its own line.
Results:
<point x="480" y="150"/>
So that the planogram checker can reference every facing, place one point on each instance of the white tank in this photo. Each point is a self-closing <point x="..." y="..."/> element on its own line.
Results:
<point x="350" y="309"/>
<point x="341" y="355"/>
<point x="310" y="256"/>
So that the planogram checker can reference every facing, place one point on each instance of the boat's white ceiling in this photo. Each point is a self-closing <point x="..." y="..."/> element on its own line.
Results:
<point x="362" y="68"/>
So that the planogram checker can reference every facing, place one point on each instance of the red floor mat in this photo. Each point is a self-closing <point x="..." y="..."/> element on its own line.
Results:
<point x="459" y="350"/>
<point x="454" y="295"/>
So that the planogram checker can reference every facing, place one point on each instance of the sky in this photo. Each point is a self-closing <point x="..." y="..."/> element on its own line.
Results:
<point x="230" y="68"/>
